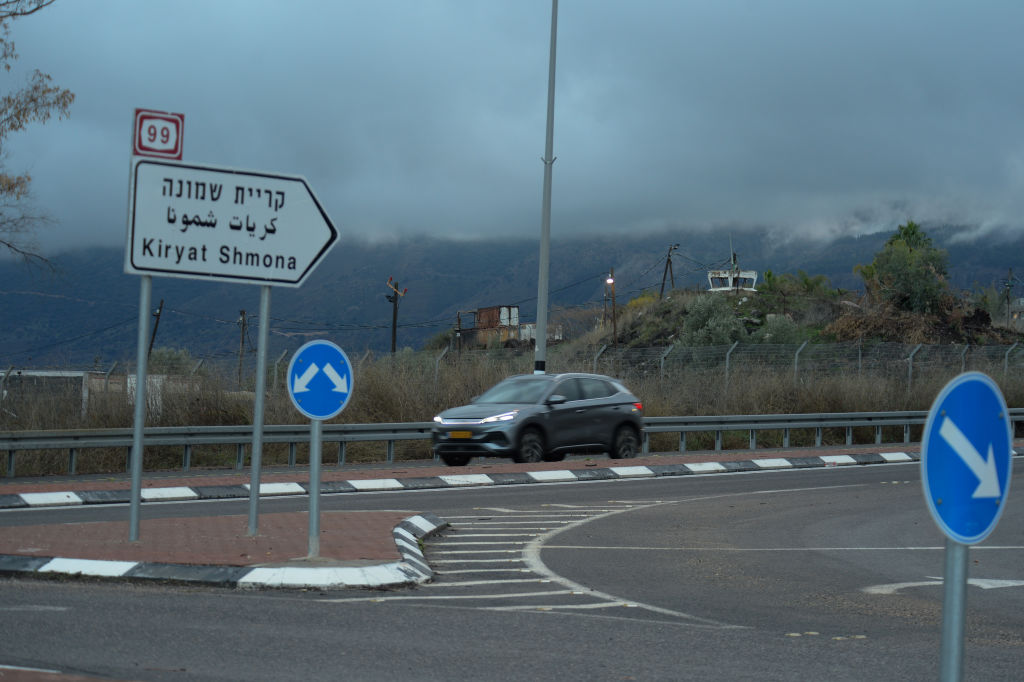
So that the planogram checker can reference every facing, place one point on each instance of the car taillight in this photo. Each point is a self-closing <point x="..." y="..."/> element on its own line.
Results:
<point x="639" y="407"/>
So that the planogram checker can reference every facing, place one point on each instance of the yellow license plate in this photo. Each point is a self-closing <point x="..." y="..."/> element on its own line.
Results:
<point x="460" y="434"/>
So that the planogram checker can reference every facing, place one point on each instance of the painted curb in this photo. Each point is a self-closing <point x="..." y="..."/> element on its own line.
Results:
<point x="411" y="569"/>
<point x="454" y="480"/>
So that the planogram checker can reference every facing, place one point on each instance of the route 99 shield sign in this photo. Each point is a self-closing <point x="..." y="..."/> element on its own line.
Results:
<point x="966" y="457"/>
<point x="320" y="380"/>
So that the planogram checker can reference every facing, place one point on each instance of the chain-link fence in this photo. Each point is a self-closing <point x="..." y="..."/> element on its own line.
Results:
<point x="804" y="361"/>
<point x="413" y="386"/>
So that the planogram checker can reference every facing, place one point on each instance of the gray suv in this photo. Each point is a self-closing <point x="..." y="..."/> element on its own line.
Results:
<point x="541" y="417"/>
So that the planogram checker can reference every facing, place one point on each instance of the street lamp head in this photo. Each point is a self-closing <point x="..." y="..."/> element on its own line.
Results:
<point x="610" y="280"/>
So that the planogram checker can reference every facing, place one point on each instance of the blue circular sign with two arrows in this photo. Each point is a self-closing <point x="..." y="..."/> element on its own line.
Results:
<point x="320" y="380"/>
<point x="966" y="457"/>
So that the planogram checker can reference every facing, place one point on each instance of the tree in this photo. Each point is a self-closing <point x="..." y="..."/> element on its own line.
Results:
<point x="166" y="360"/>
<point x="801" y="295"/>
<point x="711" y="321"/>
<point x="36" y="101"/>
<point x="909" y="273"/>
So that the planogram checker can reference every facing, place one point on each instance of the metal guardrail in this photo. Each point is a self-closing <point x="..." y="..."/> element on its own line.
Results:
<point x="189" y="437"/>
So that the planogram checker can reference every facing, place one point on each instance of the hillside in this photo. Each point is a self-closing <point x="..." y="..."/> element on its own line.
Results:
<point x="83" y="314"/>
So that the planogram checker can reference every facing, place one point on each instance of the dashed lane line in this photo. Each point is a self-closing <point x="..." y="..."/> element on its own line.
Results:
<point x="478" y="583"/>
<point x="446" y="597"/>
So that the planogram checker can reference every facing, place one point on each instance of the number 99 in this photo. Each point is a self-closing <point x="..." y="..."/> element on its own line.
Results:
<point x="162" y="131"/>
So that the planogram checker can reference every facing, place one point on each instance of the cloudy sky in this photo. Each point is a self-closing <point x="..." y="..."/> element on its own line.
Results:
<point x="428" y="116"/>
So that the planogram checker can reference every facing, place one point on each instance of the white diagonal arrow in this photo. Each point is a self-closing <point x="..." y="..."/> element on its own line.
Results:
<point x="302" y="382"/>
<point x="340" y="382"/>
<point x="983" y="469"/>
<point x="983" y="583"/>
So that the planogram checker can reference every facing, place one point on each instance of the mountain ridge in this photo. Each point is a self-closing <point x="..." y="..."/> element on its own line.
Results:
<point x="84" y="313"/>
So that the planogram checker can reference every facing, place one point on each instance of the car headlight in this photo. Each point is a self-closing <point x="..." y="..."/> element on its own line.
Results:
<point x="438" y="419"/>
<point x="505" y="417"/>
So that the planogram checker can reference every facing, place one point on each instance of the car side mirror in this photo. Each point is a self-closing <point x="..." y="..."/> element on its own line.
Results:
<point x="556" y="399"/>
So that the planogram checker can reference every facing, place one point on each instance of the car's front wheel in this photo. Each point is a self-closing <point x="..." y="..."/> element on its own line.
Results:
<point x="531" y="447"/>
<point x="455" y="459"/>
<point x="626" y="444"/>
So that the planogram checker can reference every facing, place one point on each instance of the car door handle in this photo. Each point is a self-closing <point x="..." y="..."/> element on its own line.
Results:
<point x="580" y="409"/>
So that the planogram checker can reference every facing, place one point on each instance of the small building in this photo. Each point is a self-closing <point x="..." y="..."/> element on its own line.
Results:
<point x="732" y="280"/>
<point x="493" y="324"/>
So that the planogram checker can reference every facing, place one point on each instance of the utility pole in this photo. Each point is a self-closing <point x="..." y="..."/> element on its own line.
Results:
<point x="1009" y="290"/>
<point x="604" y="311"/>
<point x="244" y="324"/>
<point x="152" y="337"/>
<point x="615" y="332"/>
<point x="668" y="270"/>
<point x="394" y="298"/>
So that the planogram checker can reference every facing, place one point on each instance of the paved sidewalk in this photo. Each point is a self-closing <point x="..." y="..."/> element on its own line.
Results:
<point x="357" y="548"/>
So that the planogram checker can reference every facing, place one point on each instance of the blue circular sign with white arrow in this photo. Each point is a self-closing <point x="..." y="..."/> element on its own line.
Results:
<point x="966" y="457"/>
<point x="320" y="380"/>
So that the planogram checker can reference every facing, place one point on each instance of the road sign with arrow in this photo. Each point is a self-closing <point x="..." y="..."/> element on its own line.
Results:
<point x="966" y="457"/>
<point x="205" y="222"/>
<point x="320" y="380"/>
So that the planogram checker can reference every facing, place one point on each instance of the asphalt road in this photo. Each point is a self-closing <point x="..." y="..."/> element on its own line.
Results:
<point x="808" y="574"/>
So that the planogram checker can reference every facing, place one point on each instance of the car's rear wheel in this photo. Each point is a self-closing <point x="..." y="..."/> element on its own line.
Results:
<point x="455" y="459"/>
<point x="626" y="444"/>
<point x="531" y="447"/>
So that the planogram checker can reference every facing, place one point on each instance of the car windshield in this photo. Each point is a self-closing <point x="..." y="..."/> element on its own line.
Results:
<point x="519" y="390"/>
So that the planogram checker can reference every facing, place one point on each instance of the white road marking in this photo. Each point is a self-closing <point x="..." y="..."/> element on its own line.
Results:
<point x="460" y="571"/>
<point x="534" y="562"/>
<point x="704" y="467"/>
<point x="559" y="607"/>
<point x="446" y="597"/>
<point x="632" y="472"/>
<point x="166" y="494"/>
<point x="30" y="670"/>
<point x="776" y="549"/>
<point x="983" y="583"/>
<point x="278" y="488"/>
<point x="476" y="551"/>
<point x="109" y="569"/>
<point x="494" y="535"/>
<point x="502" y="543"/>
<point x="552" y="476"/>
<point x="468" y="479"/>
<point x="896" y="457"/>
<point x="773" y="463"/>
<point x="476" y="583"/>
<point x="837" y="459"/>
<point x="51" y="499"/>
<point x="376" y="484"/>
<point x="475" y="561"/>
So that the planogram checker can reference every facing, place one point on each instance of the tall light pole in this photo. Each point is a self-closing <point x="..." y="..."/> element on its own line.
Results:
<point x="540" y="356"/>
<point x="615" y="333"/>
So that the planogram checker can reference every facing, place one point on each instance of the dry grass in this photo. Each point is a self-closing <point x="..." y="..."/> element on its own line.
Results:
<point x="412" y="387"/>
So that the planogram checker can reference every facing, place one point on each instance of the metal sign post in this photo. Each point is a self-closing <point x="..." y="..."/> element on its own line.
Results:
<point x="256" y="461"/>
<point x="320" y="385"/>
<point x="966" y="460"/>
<point x="221" y="224"/>
<point x="139" y="425"/>
<point x="159" y="134"/>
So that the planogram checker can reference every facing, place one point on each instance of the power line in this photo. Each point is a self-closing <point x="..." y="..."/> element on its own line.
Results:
<point x="62" y="342"/>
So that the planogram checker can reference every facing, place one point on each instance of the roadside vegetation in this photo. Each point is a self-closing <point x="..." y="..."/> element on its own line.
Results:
<point x="906" y="300"/>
